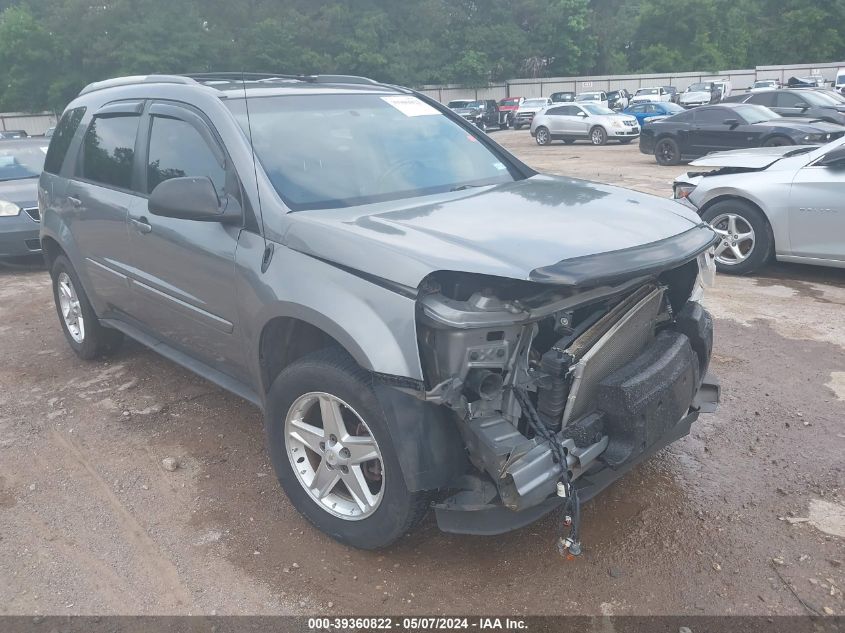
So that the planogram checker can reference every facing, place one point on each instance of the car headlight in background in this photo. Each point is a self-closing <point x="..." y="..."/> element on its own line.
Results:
<point x="682" y="190"/>
<point x="8" y="209"/>
<point x="815" y="138"/>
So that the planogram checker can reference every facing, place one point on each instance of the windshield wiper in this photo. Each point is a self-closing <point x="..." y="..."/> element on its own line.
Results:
<point x="464" y="187"/>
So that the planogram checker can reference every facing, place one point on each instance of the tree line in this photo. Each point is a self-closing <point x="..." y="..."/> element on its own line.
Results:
<point x="49" y="49"/>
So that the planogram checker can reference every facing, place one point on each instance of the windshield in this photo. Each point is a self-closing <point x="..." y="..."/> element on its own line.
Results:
<point x="764" y="84"/>
<point x="509" y="102"/>
<point x="475" y="104"/>
<point x="648" y="91"/>
<point x="370" y="148"/>
<point x="597" y="109"/>
<point x="700" y="87"/>
<point x="534" y="103"/>
<point x="672" y="108"/>
<point x="21" y="161"/>
<point x="589" y="96"/>
<point x="817" y="98"/>
<point x="755" y="113"/>
<point x="461" y="103"/>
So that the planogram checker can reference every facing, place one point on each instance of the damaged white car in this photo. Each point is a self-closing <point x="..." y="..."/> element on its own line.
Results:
<point x="424" y="320"/>
<point x="785" y="203"/>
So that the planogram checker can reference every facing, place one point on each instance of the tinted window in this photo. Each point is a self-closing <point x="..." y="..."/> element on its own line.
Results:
<point x="683" y="117"/>
<point x="21" y="159"/>
<point x="109" y="149"/>
<point x="60" y="142"/>
<point x="763" y="98"/>
<point x="639" y="108"/>
<point x="177" y="149"/>
<point x="712" y="115"/>
<point x="556" y="111"/>
<point x="789" y="100"/>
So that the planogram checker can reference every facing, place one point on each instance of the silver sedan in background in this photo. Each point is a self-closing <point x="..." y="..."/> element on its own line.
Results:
<point x="571" y="121"/>
<point x="784" y="202"/>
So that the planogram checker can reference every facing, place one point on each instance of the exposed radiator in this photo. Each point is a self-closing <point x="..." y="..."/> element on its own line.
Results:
<point x="615" y="340"/>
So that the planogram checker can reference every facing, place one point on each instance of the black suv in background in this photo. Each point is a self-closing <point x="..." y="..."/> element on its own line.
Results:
<point x="801" y="102"/>
<point x="483" y="113"/>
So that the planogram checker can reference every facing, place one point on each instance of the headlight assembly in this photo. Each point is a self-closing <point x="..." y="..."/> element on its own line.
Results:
<point x="9" y="209"/>
<point x="682" y="190"/>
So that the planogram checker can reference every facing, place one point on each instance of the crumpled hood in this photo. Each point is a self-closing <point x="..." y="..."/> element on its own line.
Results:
<point x="23" y="192"/>
<point x="506" y="230"/>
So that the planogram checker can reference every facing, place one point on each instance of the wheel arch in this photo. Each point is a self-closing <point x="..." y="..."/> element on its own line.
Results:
<point x="723" y="197"/>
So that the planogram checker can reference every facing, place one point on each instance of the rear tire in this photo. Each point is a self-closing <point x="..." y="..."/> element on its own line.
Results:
<point x="598" y="136"/>
<point x="667" y="152"/>
<point x="87" y="337"/>
<point x="543" y="136"/>
<point x="754" y="242"/>
<point x="391" y="509"/>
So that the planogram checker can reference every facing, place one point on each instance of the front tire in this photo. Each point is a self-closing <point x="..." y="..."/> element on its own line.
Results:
<point x="333" y="453"/>
<point x="747" y="241"/>
<point x="598" y="136"/>
<point x="543" y="136"/>
<point x="667" y="152"/>
<point x="778" y="141"/>
<point x="87" y="337"/>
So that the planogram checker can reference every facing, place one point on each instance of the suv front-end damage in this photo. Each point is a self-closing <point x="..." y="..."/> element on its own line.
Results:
<point x="613" y="368"/>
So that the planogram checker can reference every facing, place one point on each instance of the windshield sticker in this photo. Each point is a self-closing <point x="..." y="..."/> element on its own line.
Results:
<point x="410" y="106"/>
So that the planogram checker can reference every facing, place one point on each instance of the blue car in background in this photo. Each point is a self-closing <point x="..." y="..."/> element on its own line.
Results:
<point x="650" y="110"/>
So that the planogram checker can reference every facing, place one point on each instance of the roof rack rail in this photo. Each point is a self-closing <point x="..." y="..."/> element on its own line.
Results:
<point x="318" y="79"/>
<point x="208" y="77"/>
<point x="135" y="79"/>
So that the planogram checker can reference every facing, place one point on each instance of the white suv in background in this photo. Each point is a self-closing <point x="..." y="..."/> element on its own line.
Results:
<point x="644" y="95"/>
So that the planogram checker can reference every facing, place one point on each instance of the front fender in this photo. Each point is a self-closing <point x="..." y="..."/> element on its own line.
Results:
<point x="376" y="325"/>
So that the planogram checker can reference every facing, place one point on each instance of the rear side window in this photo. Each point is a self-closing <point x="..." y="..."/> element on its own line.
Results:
<point x="109" y="150"/>
<point x="711" y="115"/>
<point x="763" y="98"/>
<point x="62" y="136"/>
<point x="177" y="149"/>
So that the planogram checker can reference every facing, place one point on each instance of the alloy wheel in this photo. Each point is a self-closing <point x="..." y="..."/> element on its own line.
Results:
<point x="71" y="307"/>
<point x="334" y="456"/>
<point x="737" y="238"/>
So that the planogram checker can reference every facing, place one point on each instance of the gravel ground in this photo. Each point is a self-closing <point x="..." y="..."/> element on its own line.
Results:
<point x="744" y="516"/>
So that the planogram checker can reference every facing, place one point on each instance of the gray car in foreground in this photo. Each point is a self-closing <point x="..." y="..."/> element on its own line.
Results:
<point x="786" y="203"/>
<point x="424" y="320"/>
<point x="20" y="165"/>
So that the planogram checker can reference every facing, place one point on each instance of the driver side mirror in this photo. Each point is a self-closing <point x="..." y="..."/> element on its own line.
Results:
<point x="834" y="159"/>
<point x="192" y="198"/>
<point x="731" y="122"/>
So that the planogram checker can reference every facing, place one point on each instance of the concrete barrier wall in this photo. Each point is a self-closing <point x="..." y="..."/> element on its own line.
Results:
<point x="34" y="124"/>
<point x="741" y="80"/>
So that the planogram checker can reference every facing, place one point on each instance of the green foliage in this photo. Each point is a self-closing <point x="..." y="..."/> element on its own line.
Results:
<point x="51" y="48"/>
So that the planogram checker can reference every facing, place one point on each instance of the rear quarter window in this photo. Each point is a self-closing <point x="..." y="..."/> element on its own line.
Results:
<point x="62" y="136"/>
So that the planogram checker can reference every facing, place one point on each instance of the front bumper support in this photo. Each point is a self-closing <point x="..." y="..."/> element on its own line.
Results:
<point x="493" y="518"/>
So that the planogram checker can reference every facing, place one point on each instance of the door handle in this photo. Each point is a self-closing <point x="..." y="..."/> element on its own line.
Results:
<point x="141" y="225"/>
<point x="75" y="202"/>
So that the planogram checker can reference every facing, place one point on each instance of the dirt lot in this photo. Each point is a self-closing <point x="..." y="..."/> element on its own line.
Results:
<point x="744" y="516"/>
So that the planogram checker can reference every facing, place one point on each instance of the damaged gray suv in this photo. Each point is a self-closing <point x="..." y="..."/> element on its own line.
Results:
<point x="424" y="320"/>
